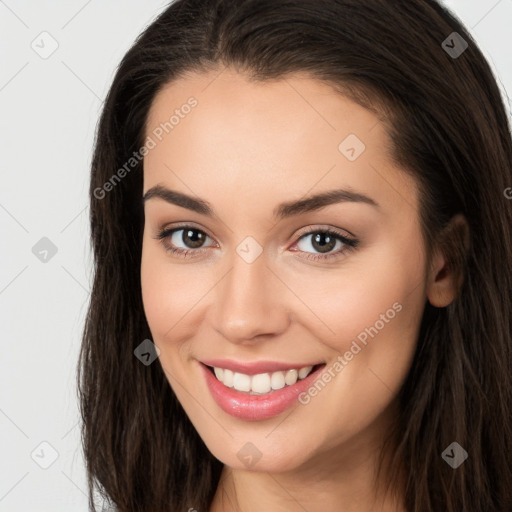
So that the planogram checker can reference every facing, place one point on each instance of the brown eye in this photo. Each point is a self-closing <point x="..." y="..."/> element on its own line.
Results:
<point x="192" y="238"/>
<point x="183" y="241"/>
<point x="322" y="242"/>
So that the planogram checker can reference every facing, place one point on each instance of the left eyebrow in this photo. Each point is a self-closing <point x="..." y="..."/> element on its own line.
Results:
<point x="282" y="211"/>
<point x="322" y="200"/>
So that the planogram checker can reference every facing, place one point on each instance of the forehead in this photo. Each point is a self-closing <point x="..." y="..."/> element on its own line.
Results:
<point x="265" y="138"/>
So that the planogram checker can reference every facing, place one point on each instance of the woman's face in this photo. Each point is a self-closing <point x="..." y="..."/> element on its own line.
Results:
<point x="264" y="283"/>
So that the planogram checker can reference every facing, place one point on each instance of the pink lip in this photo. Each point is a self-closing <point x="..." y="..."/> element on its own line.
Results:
<point x="256" y="407"/>
<point x="256" y="367"/>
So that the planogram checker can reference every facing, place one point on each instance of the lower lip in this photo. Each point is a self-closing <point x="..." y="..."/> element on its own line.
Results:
<point x="256" y="407"/>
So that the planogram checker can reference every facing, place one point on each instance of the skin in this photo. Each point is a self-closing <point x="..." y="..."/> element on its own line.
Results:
<point x="245" y="148"/>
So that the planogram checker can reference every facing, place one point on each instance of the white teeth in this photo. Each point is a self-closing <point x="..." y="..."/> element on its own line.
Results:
<point x="291" y="377"/>
<point x="242" y="382"/>
<point x="263" y="382"/>
<point x="260" y="383"/>
<point x="277" y="380"/>
<point x="219" y="373"/>
<point x="304" y="372"/>
<point x="227" y="378"/>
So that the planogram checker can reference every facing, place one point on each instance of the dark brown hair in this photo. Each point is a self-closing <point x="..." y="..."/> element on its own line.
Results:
<point x="449" y="129"/>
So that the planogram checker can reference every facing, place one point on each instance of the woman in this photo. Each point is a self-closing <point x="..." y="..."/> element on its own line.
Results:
<point x="302" y="245"/>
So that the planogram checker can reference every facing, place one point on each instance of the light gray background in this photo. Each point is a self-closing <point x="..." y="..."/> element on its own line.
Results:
<point x="48" y="113"/>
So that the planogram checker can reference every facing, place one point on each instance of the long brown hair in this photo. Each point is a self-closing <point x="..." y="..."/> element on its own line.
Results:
<point x="449" y="128"/>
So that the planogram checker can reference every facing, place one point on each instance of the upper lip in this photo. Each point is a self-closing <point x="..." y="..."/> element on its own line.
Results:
<point x="256" y="367"/>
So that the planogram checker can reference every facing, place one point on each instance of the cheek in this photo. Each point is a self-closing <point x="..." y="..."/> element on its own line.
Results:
<point x="173" y="296"/>
<point x="370" y="309"/>
<point x="164" y="291"/>
<point x="374" y="310"/>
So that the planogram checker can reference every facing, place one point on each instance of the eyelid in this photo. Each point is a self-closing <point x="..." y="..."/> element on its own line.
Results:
<point x="303" y="231"/>
<point x="325" y="227"/>
<point x="349" y="242"/>
<point x="184" y="225"/>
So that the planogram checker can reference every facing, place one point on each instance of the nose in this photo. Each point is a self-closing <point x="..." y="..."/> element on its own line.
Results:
<point x="250" y="302"/>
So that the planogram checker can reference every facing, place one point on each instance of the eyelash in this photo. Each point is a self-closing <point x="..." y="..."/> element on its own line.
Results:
<point x="349" y="243"/>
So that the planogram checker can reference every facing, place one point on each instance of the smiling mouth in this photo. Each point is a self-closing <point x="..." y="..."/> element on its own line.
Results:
<point x="262" y="383"/>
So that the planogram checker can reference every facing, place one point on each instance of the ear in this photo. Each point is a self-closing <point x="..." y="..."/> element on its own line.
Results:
<point x="445" y="274"/>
